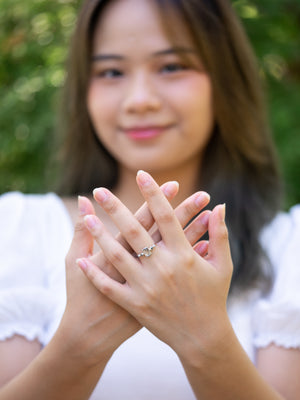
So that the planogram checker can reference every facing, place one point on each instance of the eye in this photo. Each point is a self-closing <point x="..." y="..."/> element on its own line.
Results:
<point x="173" y="67"/>
<point x="110" y="73"/>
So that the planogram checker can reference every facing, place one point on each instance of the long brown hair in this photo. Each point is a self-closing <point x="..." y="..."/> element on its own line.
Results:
<point x="239" y="164"/>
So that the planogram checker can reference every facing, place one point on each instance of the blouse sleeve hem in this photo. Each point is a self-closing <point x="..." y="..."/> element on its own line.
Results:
<point x="28" y="331"/>
<point x="287" y="342"/>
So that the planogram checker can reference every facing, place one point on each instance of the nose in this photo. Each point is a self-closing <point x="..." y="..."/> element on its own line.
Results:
<point x="141" y="95"/>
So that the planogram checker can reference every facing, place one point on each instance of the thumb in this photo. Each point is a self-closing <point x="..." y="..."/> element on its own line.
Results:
<point x="82" y="243"/>
<point x="219" y="249"/>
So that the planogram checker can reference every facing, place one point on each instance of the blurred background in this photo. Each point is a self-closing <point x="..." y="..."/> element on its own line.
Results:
<point x="34" y="37"/>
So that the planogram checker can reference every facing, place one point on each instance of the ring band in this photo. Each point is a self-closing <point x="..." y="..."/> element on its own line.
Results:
<point x="146" y="251"/>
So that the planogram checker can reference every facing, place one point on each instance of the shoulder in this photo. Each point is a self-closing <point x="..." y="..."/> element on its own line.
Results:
<point x="30" y="211"/>
<point x="281" y="238"/>
<point x="35" y="233"/>
<point x="277" y="316"/>
<point x="20" y="202"/>
<point x="32" y="228"/>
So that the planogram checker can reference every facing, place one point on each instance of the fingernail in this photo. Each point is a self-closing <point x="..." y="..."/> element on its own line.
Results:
<point x="91" y="221"/>
<point x="201" y="198"/>
<point x="168" y="189"/>
<point x="222" y="212"/>
<point x="82" y="263"/>
<point x="202" y="247"/>
<point x="143" y="178"/>
<point x="100" y="194"/>
<point x="204" y="218"/>
<point x="81" y="206"/>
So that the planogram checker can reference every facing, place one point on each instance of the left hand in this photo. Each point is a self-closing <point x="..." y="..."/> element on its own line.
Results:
<point x="179" y="295"/>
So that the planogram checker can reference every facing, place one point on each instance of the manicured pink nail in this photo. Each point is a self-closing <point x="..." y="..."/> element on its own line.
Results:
<point x="82" y="263"/>
<point x="101" y="194"/>
<point x="200" y="199"/>
<point x="81" y="206"/>
<point x="202" y="247"/>
<point x="144" y="178"/>
<point x="91" y="221"/>
<point x="205" y="218"/>
<point x="169" y="188"/>
<point x="222" y="212"/>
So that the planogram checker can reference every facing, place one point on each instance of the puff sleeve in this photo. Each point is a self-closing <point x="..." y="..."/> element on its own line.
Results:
<point x="31" y="292"/>
<point x="276" y="318"/>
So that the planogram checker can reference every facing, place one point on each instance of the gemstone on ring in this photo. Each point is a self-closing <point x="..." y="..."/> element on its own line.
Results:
<point x="146" y="251"/>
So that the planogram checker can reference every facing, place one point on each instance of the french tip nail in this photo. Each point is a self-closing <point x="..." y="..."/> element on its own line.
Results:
<point x="90" y="221"/>
<point x="168" y="188"/>
<point x="174" y="183"/>
<point x="82" y="263"/>
<point x="223" y="211"/>
<point x="81" y="205"/>
<point x="144" y="178"/>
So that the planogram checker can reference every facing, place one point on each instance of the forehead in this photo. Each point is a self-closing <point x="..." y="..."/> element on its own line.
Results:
<point x="136" y="24"/>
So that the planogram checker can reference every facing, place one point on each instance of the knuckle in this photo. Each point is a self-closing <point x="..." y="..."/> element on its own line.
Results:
<point x="79" y="227"/>
<point x="132" y="231"/>
<point x="151" y="294"/>
<point x="168" y="273"/>
<point x="116" y="256"/>
<point x="105" y="287"/>
<point x="189" y="210"/>
<point x="143" y="304"/>
<point x="111" y="206"/>
<point x="165" y="217"/>
<point x="151" y="190"/>
<point x="145" y="220"/>
<point x="187" y="258"/>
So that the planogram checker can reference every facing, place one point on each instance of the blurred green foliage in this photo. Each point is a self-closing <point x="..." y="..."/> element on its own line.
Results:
<point x="34" y="37"/>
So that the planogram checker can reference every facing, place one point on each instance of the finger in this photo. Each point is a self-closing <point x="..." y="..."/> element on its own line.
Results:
<point x="201" y="248"/>
<point x="191" y="206"/>
<point x="219" y="249"/>
<point x="144" y="216"/>
<point x="121" y="259"/>
<point x="115" y="291"/>
<point x="130" y="228"/>
<point x="197" y="227"/>
<point x="82" y="243"/>
<point x="185" y="212"/>
<point x="106" y="266"/>
<point x="163" y="213"/>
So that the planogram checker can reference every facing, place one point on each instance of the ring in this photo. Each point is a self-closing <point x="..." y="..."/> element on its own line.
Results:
<point x="146" y="251"/>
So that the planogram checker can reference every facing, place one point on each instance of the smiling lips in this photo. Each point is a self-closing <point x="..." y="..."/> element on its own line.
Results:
<point x="144" y="133"/>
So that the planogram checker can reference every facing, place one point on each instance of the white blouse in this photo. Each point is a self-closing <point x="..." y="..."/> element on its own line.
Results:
<point x="35" y="235"/>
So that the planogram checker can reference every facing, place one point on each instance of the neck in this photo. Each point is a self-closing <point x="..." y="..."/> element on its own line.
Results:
<point x="129" y="194"/>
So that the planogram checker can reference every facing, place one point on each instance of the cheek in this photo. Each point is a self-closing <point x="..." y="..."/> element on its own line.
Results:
<point x="92" y="100"/>
<point x="195" y="102"/>
<point x="99" y="103"/>
<point x="194" y="92"/>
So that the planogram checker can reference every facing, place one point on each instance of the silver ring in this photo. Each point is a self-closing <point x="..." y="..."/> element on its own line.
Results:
<point x="146" y="251"/>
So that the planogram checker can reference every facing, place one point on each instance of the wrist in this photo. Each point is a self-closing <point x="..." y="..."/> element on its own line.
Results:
<point x="209" y="345"/>
<point x="77" y="349"/>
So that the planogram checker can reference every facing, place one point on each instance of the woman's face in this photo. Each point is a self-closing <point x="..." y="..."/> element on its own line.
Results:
<point x="149" y="98"/>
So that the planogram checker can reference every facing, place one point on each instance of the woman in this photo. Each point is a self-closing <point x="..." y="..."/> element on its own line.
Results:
<point x="171" y="88"/>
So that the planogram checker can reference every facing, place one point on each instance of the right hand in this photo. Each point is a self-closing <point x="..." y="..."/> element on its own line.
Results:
<point x="93" y="325"/>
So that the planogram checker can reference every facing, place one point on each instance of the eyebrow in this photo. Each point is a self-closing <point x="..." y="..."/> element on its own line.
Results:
<point x="104" y="57"/>
<point x="116" y="57"/>
<point x="175" y="50"/>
